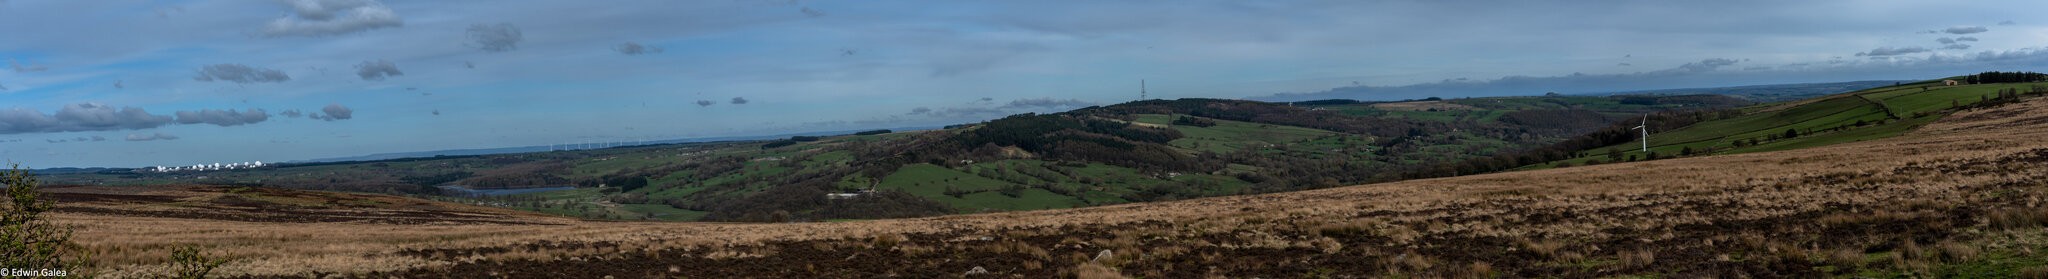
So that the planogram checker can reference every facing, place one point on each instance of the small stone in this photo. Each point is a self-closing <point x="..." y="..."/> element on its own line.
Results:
<point x="1104" y="255"/>
<point x="977" y="271"/>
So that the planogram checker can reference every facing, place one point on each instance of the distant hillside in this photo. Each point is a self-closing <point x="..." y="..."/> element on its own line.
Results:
<point x="1770" y="93"/>
<point x="1860" y="115"/>
<point x="1760" y="93"/>
<point x="544" y="148"/>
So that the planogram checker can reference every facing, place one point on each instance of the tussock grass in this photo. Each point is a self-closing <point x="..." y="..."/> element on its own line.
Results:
<point x="1096" y="271"/>
<point x="1956" y="252"/>
<point x="2038" y="272"/>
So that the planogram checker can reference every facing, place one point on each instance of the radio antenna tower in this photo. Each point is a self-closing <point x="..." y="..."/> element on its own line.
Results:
<point x="1141" y="89"/>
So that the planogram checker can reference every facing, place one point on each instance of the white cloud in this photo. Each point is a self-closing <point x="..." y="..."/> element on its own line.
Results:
<point x="332" y="17"/>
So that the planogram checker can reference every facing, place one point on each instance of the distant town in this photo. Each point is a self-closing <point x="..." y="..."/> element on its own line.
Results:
<point x="207" y="167"/>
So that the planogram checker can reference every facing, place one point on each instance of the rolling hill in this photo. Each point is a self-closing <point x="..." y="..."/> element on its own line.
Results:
<point x="1960" y="196"/>
<point x="1144" y="151"/>
<point x="1152" y="150"/>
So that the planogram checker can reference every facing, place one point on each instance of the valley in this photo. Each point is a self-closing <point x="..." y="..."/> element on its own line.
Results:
<point x="1958" y="197"/>
<point x="1023" y="139"/>
<point x="1154" y="150"/>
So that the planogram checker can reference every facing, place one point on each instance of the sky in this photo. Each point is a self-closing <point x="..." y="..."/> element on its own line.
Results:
<point x="130" y="83"/>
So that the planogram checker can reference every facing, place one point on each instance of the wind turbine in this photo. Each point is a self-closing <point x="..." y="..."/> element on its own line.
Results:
<point x="1645" y="127"/>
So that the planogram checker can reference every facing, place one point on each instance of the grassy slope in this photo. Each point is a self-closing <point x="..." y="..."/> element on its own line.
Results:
<point x="1815" y="116"/>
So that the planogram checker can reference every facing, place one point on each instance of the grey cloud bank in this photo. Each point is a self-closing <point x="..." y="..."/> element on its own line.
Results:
<point x="222" y="118"/>
<point x="150" y="137"/>
<point x="1890" y="51"/>
<point x="1046" y="103"/>
<point x="1965" y="30"/>
<point x="377" y="70"/>
<point x="633" y="48"/>
<point x="334" y="112"/>
<point x="79" y="117"/>
<point x="495" y="37"/>
<point x="239" y="73"/>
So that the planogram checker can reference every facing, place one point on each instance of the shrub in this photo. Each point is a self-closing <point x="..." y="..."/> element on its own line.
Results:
<point x="888" y="241"/>
<point x="28" y="240"/>
<point x="1956" y="252"/>
<point x="1639" y="258"/>
<point x="1476" y="270"/>
<point x="1911" y="250"/>
<point x="1846" y="258"/>
<point x="1194" y="121"/>
<point x="191" y="263"/>
<point x="780" y="143"/>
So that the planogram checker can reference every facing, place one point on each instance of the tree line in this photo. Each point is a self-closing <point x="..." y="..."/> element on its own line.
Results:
<point x="2005" y="77"/>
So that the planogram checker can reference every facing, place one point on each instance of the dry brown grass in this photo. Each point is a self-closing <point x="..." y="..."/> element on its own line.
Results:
<point x="1910" y="250"/>
<point x="1846" y="257"/>
<point x="1777" y="205"/>
<point x="1476" y="270"/>
<point x="1543" y="248"/>
<point x="1638" y="258"/>
<point x="2038" y="272"/>
<point x="1096" y="271"/>
<point x="1956" y="252"/>
<point x="2019" y="218"/>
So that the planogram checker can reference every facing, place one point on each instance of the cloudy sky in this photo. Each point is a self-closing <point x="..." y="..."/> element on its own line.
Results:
<point x="136" y="83"/>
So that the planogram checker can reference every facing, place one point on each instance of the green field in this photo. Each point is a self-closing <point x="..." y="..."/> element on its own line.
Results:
<point x="933" y="182"/>
<point x="1229" y="136"/>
